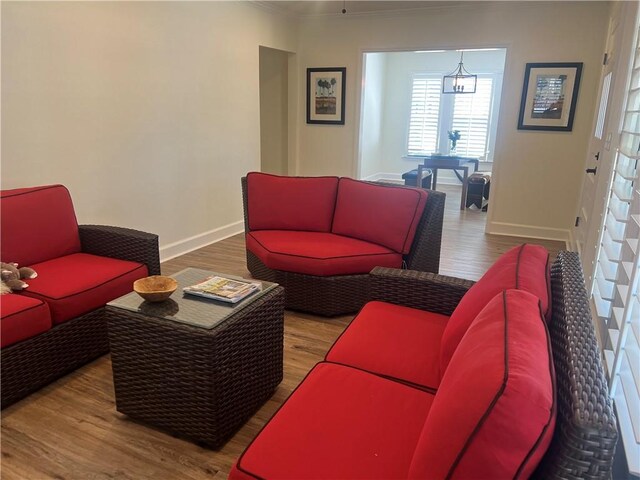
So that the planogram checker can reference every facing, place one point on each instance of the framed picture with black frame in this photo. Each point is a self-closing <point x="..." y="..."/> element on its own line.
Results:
<point x="549" y="96"/>
<point x="325" y="95"/>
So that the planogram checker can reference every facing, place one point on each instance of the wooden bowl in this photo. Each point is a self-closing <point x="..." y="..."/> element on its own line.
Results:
<point x="155" y="288"/>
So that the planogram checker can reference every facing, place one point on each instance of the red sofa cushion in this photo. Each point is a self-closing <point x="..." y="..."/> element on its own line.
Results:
<point x="340" y="423"/>
<point x="21" y="318"/>
<point x="79" y="283"/>
<point x="524" y="267"/>
<point x="381" y="214"/>
<point x="290" y="203"/>
<point x="318" y="253"/>
<point x="493" y="415"/>
<point x="393" y="341"/>
<point x="37" y="224"/>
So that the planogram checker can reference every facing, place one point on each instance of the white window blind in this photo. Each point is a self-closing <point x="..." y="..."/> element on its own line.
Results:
<point x="472" y="116"/>
<point x="424" y="121"/>
<point x="603" y="105"/>
<point x="433" y="114"/>
<point x="616" y="290"/>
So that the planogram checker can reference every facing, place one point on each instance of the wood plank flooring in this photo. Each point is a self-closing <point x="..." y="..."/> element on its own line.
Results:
<point x="71" y="430"/>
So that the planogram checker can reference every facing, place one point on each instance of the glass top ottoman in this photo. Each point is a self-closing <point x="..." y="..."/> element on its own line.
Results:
<point x="196" y="367"/>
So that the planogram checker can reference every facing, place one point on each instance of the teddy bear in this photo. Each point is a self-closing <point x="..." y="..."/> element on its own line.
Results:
<point x="12" y="277"/>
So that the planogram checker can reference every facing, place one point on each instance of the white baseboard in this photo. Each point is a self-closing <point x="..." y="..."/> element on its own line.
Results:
<point x="398" y="177"/>
<point x="384" y="176"/>
<point x="516" y="230"/>
<point x="175" y="249"/>
<point x="572" y="246"/>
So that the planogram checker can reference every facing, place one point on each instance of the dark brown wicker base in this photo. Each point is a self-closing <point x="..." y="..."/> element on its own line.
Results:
<point x="29" y="365"/>
<point x="327" y="296"/>
<point x="585" y="437"/>
<point x="193" y="382"/>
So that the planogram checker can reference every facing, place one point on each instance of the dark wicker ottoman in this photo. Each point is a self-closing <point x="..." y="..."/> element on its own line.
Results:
<point x="196" y="367"/>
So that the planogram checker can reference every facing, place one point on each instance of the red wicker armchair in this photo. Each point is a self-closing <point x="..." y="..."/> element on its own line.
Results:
<point x="346" y="292"/>
<point x="58" y="323"/>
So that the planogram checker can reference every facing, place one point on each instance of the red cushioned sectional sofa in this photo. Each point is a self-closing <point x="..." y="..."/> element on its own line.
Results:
<point x="57" y="323"/>
<point x="320" y="237"/>
<point x="439" y="378"/>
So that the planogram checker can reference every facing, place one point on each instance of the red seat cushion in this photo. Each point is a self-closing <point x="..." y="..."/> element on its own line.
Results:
<point x="381" y="214"/>
<point x="524" y="267"/>
<point x="318" y="253"/>
<point x="393" y="341"/>
<point x="21" y="318"/>
<point x="37" y="224"/>
<point x="79" y="283"/>
<point x="290" y="203"/>
<point x="494" y="413"/>
<point x="340" y="423"/>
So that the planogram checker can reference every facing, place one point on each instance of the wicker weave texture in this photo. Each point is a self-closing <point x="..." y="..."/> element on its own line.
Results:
<point x="342" y="294"/>
<point x="33" y="363"/>
<point x="585" y="437"/>
<point x="29" y="365"/>
<point x="423" y="290"/>
<point x="197" y="383"/>
<point x="424" y="255"/>
<point x="122" y="243"/>
<point x="327" y="296"/>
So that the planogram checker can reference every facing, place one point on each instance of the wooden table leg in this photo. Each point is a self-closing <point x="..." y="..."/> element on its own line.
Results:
<point x="434" y="178"/>
<point x="419" y="176"/>
<point x="465" y="182"/>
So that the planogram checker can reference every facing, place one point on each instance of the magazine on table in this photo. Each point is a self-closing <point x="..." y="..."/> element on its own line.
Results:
<point x="223" y="289"/>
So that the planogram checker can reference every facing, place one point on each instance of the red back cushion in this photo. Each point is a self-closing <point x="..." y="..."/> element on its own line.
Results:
<point x="290" y="203"/>
<point x="37" y="224"/>
<point x="494" y="412"/>
<point x="524" y="267"/>
<point x="381" y="214"/>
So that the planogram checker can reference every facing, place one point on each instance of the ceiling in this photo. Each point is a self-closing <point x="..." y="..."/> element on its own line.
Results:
<point x="333" y="7"/>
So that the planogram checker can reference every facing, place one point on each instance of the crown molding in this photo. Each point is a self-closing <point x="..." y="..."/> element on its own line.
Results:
<point x="272" y="7"/>
<point x="440" y="6"/>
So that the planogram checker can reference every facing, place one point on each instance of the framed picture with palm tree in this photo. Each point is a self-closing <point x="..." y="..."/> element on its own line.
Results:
<point x="325" y="95"/>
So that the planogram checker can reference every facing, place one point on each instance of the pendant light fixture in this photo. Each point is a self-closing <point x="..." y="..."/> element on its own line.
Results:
<point x="459" y="81"/>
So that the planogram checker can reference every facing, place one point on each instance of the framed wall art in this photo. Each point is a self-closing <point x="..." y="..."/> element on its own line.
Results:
<point x="325" y="95"/>
<point x="549" y="96"/>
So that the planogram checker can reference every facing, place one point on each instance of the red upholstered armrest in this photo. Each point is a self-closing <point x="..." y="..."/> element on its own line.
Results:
<point x="121" y="243"/>
<point x="423" y="290"/>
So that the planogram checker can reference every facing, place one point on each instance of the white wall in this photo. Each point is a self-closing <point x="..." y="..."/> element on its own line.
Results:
<point x="537" y="175"/>
<point x="147" y="111"/>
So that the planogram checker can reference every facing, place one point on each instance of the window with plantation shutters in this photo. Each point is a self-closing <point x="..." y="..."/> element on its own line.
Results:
<point x="434" y="114"/>
<point x="425" y="115"/>
<point x="472" y="116"/>
<point x="616" y="290"/>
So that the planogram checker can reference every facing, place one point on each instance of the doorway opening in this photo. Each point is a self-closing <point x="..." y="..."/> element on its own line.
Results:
<point x="405" y="116"/>
<point x="275" y="109"/>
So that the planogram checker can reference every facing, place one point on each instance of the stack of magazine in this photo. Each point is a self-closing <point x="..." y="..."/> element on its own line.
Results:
<point x="223" y="289"/>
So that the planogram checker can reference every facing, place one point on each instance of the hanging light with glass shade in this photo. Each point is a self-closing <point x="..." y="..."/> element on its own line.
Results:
<point x="459" y="81"/>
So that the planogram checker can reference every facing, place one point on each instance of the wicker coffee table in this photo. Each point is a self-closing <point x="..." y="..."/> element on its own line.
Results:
<point x="196" y="367"/>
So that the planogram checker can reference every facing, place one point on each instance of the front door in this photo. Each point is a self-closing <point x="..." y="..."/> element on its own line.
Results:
<point x="600" y="158"/>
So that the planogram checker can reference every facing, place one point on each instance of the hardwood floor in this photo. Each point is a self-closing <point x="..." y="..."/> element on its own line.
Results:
<point x="71" y="430"/>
